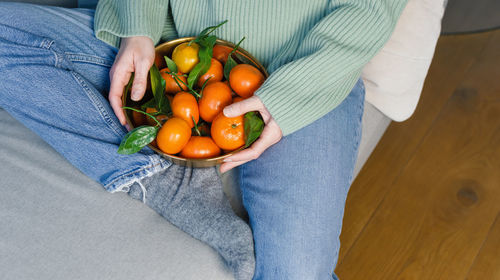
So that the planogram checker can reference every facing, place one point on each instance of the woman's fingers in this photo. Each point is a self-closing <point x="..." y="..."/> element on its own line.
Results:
<point x="140" y="78"/>
<point x="136" y="55"/>
<point x="270" y="135"/>
<point x="119" y="80"/>
<point x="247" y="105"/>
<point x="225" y="167"/>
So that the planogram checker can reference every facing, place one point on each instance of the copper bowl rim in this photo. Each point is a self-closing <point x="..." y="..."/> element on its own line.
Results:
<point x="208" y="162"/>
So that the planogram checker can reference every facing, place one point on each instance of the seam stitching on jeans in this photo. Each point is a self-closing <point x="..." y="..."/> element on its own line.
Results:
<point x="46" y="43"/>
<point x="97" y="104"/>
<point x="57" y="63"/>
<point x="49" y="45"/>
<point x="79" y="57"/>
<point x="43" y="43"/>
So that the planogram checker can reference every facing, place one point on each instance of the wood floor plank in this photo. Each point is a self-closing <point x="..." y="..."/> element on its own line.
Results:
<point x="432" y="223"/>
<point x="487" y="263"/>
<point x="453" y="58"/>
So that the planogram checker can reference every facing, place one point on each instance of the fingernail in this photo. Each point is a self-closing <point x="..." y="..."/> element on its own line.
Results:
<point x="127" y="126"/>
<point x="136" y="95"/>
<point x="227" y="112"/>
<point x="227" y="160"/>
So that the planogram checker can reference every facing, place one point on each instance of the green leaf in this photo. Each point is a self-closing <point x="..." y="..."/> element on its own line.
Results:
<point x="205" y="56"/>
<point x="165" y="107"/>
<point x="254" y="125"/>
<point x="158" y="87"/>
<point x="204" y="85"/>
<point x="209" y="30"/>
<point x="157" y="84"/>
<point x="129" y="85"/>
<point x="171" y="64"/>
<point x="230" y="63"/>
<point x="149" y="104"/>
<point x="136" y="139"/>
<point x="210" y="40"/>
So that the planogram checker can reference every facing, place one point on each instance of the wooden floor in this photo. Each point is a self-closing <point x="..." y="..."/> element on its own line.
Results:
<point x="427" y="203"/>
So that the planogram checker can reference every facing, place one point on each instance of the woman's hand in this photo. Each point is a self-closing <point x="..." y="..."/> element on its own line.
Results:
<point x="136" y="55"/>
<point x="270" y="135"/>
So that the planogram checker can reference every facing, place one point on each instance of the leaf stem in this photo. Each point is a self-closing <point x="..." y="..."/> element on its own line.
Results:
<point x="217" y="26"/>
<point x="142" y="112"/>
<point x="177" y="80"/>
<point x="237" y="46"/>
<point x="196" y="127"/>
<point x="204" y="84"/>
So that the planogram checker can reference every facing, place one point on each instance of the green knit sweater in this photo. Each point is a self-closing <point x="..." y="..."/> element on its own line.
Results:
<point x="314" y="50"/>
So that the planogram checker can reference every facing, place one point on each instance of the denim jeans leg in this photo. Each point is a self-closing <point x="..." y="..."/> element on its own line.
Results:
<point x="53" y="73"/>
<point x="295" y="194"/>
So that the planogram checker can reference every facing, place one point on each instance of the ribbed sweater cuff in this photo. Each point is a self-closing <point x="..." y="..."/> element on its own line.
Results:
<point x="116" y="19"/>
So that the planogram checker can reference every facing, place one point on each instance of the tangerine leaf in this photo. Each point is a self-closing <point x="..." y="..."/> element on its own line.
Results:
<point x="205" y="56"/>
<point x="137" y="138"/>
<point x="210" y="41"/>
<point x="129" y="84"/>
<point x="157" y="84"/>
<point x="170" y="64"/>
<point x="230" y="63"/>
<point x="158" y="87"/>
<point x="208" y="30"/>
<point x="149" y="104"/>
<point x="254" y="125"/>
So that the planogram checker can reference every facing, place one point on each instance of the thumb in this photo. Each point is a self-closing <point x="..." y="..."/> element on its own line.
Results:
<point x="239" y="108"/>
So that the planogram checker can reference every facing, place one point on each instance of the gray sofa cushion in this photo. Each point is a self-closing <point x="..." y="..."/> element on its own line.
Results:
<point x="58" y="224"/>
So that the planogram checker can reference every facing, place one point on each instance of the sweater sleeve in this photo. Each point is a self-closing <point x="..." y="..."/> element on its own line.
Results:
<point x="328" y="62"/>
<point x="115" y="19"/>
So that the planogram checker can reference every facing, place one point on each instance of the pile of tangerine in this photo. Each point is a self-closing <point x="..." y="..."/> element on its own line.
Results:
<point x="197" y="128"/>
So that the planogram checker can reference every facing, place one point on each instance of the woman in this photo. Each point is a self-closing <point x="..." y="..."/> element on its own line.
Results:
<point x="294" y="179"/>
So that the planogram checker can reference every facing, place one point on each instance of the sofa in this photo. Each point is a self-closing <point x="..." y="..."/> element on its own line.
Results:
<point x="56" y="223"/>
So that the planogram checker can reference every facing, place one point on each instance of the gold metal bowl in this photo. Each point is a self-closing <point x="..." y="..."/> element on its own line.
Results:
<point x="166" y="49"/>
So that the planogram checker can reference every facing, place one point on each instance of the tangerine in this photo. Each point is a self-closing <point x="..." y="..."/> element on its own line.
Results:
<point x="184" y="106"/>
<point x="238" y="99"/>
<point x="173" y="135"/>
<point x="160" y="118"/>
<point x="215" y="97"/>
<point x="245" y="79"/>
<point x="138" y="119"/>
<point x="185" y="56"/>
<point x="200" y="147"/>
<point x="171" y="85"/>
<point x="228" y="133"/>
<point x="215" y="73"/>
<point x="221" y="53"/>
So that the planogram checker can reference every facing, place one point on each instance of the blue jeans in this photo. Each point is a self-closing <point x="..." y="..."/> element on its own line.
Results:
<point x="54" y="79"/>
